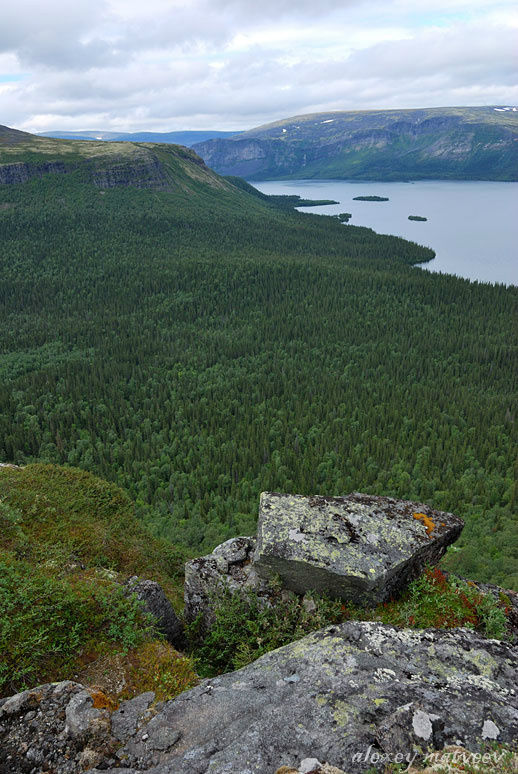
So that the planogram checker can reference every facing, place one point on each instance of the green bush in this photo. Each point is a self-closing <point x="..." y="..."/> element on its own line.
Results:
<point x="245" y="628"/>
<point x="47" y="620"/>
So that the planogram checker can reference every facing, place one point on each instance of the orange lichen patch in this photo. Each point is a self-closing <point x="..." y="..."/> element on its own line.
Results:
<point x="428" y="523"/>
<point x="102" y="701"/>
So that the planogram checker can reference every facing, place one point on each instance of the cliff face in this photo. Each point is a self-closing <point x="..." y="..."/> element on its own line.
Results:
<point x="476" y="143"/>
<point x="107" y="165"/>
<point x="21" y="172"/>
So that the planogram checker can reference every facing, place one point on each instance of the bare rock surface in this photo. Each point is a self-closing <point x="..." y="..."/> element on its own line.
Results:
<point x="52" y="728"/>
<point x="335" y="696"/>
<point x="332" y="698"/>
<point x="361" y="548"/>
<point x="228" y="566"/>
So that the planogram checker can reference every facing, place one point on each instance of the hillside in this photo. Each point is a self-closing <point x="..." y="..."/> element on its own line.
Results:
<point x="479" y="143"/>
<point x="68" y="544"/>
<point x="25" y="156"/>
<point x="196" y="343"/>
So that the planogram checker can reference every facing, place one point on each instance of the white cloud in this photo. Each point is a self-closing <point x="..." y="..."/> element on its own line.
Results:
<point x="176" y="64"/>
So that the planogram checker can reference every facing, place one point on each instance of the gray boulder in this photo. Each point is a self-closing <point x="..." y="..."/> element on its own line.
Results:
<point x="347" y="695"/>
<point x="155" y="602"/>
<point x="52" y="728"/>
<point x="230" y="567"/>
<point x="361" y="548"/>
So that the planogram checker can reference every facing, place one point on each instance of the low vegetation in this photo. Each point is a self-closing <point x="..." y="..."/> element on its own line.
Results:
<point x="68" y="541"/>
<point x="245" y="628"/>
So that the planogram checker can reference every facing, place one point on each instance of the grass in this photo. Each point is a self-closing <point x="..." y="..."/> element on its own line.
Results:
<point x="68" y="542"/>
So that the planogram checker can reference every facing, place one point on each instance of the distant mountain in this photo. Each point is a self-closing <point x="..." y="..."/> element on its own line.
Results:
<point x="188" y="138"/>
<point x="474" y="143"/>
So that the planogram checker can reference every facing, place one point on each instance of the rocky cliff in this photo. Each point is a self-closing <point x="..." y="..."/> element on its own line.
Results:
<point x="107" y="165"/>
<point x="454" y="143"/>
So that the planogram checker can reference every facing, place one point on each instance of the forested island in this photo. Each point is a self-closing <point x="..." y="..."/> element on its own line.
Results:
<point x="196" y="343"/>
<point x="370" y="199"/>
<point x="417" y="217"/>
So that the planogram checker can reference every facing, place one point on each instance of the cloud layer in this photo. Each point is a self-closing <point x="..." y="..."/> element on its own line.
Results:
<point x="233" y="64"/>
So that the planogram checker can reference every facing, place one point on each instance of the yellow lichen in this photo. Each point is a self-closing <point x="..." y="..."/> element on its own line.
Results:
<point x="428" y="523"/>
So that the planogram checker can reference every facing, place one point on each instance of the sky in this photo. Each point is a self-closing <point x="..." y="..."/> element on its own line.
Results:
<point x="167" y="65"/>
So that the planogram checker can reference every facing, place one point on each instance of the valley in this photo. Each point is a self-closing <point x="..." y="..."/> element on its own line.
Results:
<point x="196" y="343"/>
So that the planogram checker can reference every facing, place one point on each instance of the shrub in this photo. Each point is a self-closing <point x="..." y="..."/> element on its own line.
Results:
<point x="245" y="628"/>
<point x="47" y="620"/>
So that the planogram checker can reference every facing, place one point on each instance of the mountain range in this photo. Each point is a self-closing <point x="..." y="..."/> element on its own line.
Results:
<point x="459" y="143"/>
<point x="187" y="138"/>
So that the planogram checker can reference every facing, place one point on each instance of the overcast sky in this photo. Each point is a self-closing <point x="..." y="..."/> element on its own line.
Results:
<point x="165" y="65"/>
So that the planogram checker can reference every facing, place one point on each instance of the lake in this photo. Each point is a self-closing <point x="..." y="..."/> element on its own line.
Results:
<point x="472" y="225"/>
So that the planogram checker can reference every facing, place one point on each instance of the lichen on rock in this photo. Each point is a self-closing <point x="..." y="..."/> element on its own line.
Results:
<point x="362" y="548"/>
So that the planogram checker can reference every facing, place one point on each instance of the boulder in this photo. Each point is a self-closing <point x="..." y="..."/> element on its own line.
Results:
<point x="354" y="697"/>
<point x="229" y="566"/>
<point x="361" y="548"/>
<point x="154" y="601"/>
<point x="53" y="728"/>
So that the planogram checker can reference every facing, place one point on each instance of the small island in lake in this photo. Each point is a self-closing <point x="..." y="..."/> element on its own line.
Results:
<point x="416" y="217"/>
<point x="314" y="202"/>
<point x="370" y="199"/>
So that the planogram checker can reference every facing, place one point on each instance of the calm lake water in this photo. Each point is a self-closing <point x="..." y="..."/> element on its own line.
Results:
<point x="472" y="226"/>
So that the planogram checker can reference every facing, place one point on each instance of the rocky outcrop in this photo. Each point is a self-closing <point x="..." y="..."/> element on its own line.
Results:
<point x="140" y="173"/>
<point x="21" y="172"/>
<point x="154" y="601"/>
<point x="228" y="567"/>
<point x="361" y="548"/>
<point x="341" y="696"/>
<point x="334" y="695"/>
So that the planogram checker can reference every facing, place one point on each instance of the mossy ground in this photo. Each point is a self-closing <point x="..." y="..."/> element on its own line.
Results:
<point x="68" y="541"/>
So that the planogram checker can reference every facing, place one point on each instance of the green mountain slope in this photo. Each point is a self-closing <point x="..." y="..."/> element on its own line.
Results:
<point x="68" y="543"/>
<point x="478" y="143"/>
<point x="199" y="344"/>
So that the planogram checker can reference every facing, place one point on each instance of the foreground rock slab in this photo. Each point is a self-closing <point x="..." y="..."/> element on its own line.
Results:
<point x="361" y="548"/>
<point x="339" y="696"/>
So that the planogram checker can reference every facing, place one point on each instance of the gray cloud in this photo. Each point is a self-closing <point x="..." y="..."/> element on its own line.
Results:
<point x="166" y="67"/>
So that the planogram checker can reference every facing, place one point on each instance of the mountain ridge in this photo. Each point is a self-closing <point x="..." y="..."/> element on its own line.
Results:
<point x="24" y="156"/>
<point x="450" y="143"/>
<point x="186" y="137"/>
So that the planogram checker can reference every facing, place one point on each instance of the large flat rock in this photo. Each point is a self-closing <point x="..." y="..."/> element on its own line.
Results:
<point x="340" y="695"/>
<point x="361" y="548"/>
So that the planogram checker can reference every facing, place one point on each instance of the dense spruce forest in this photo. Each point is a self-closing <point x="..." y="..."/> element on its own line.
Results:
<point x="199" y="345"/>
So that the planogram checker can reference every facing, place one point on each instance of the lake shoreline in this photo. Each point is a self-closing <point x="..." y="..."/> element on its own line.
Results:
<point x="470" y="224"/>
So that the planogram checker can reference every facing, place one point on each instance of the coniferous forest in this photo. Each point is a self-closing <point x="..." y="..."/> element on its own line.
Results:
<point x="200" y="345"/>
